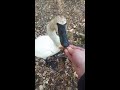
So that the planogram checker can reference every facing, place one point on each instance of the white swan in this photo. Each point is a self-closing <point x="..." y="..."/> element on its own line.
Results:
<point x="50" y="44"/>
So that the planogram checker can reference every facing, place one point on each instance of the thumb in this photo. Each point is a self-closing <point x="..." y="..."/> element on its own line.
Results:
<point x="68" y="54"/>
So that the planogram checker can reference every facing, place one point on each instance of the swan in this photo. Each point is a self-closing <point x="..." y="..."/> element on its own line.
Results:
<point x="50" y="44"/>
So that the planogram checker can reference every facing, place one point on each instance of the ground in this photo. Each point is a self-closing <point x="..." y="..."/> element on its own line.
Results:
<point x="57" y="73"/>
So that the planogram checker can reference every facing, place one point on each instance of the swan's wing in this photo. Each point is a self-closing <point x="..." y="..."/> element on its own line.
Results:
<point x="44" y="47"/>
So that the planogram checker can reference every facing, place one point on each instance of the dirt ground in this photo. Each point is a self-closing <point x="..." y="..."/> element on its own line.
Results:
<point x="56" y="73"/>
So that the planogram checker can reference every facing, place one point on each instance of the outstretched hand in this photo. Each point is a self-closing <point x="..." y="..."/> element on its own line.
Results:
<point x="77" y="56"/>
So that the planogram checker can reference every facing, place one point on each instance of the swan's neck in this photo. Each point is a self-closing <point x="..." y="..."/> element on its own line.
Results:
<point x="51" y="31"/>
<point x="52" y="28"/>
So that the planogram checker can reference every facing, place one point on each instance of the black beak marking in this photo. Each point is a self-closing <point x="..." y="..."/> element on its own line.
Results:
<point x="62" y="34"/>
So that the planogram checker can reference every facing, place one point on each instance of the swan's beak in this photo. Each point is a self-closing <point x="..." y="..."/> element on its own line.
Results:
<point x="62" y="34"/>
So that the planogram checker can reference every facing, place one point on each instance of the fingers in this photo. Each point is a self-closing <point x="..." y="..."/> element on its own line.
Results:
<point x="67" y="54"/>
<point x="72" y="46"/>
<point x="70" y="50"/>
<point x="75" y="47"/>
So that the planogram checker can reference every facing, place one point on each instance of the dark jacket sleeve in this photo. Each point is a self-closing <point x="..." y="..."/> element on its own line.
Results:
<point x="81" y="83"/>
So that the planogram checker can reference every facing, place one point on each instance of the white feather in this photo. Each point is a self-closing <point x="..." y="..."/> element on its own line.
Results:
<point x="45" y="47"/>
<point x="48" y="45"/>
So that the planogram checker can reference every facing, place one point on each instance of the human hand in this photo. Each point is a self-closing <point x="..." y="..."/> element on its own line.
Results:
<point x="77" y="56"/>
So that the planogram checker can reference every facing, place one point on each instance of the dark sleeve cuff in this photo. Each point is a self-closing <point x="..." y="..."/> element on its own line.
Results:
<point x="81" y="83"/>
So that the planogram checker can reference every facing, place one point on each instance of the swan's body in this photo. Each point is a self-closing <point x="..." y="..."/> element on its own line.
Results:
<point x="49" y="45"/>
<point x="44" y="47"/>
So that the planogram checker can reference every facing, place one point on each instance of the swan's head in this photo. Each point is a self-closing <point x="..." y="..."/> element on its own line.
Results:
<point x="58" y="25"/>
<point x="61" y="20"/>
